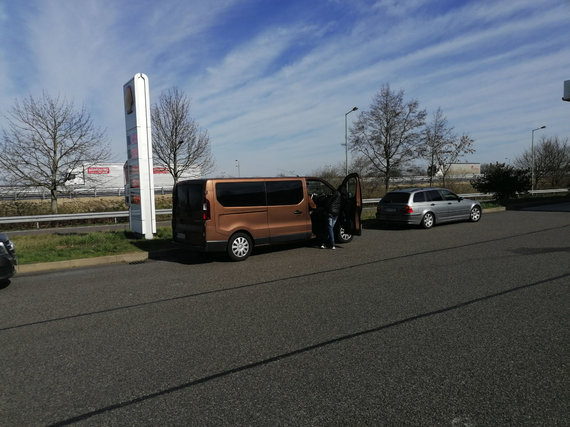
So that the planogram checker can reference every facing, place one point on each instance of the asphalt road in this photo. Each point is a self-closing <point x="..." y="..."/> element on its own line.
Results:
<point x="464" y="325"/>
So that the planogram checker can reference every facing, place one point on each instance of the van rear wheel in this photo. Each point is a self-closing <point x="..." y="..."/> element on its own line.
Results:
<point x="239" y="247"/>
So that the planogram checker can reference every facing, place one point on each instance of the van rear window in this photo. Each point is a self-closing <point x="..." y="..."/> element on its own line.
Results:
<point x="189" y="200"/>
<point x="233" y="194"/>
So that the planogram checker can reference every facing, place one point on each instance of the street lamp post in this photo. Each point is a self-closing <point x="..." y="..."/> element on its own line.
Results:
<point x="346" y="137"/>
<point x="532" y="150"/>
<point x="237" y="166"/>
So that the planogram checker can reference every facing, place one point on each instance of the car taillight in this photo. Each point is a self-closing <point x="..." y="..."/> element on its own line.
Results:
<point x="408" y="209"/>
<point x="206" y="210"/>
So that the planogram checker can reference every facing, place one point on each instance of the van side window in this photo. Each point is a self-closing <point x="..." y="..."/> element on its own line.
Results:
<point x="232" y="194"/>
<point x="284" y="192"/>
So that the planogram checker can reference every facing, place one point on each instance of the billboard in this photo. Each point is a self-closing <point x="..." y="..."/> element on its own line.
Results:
<point x="139" y="156"/>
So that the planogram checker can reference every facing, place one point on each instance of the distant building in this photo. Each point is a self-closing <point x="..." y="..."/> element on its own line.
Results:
<point x="461" y="170"/>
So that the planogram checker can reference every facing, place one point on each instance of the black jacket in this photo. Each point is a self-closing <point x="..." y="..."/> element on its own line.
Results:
<point x="333" y="204"/>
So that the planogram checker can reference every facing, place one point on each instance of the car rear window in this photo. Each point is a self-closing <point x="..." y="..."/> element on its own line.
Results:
<point x="419" y="197"/>
<point x="395" y="198"/>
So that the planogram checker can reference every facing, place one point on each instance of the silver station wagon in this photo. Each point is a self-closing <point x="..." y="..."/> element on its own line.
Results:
<point x="426" y="207"/>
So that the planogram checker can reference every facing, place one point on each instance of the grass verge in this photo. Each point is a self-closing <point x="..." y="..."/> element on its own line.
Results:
<point x="66" y="246"/>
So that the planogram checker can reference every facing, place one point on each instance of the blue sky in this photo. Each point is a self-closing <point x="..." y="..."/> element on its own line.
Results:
<point x="271" y="80"/>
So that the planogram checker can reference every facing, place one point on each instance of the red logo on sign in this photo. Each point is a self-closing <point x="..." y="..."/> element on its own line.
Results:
<point x="98" y="171"/>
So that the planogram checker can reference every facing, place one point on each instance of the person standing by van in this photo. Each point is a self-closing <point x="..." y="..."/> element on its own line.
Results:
<point x="333" y="211"/>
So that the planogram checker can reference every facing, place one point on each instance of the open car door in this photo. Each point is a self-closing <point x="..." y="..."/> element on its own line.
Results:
<point x="351" y="204"/>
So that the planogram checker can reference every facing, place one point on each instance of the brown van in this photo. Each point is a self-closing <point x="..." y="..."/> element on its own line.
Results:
<point x="235" y="214"/>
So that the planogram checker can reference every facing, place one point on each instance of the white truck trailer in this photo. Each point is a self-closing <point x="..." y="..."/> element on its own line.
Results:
<point x="107" y="176"/>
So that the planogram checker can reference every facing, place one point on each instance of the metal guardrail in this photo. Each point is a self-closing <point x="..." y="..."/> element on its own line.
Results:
<point x="94" y="215"/>
<point x="72" y="217"/>
<point x="122" y="214"/>
<point x="15" y="193"/>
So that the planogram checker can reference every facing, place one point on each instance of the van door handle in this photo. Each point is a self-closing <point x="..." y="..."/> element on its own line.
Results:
<point x="297" y="212"/>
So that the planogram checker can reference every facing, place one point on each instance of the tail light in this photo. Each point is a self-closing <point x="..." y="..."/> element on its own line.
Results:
<point x="206" y="210"/>
<point x="408" y="209"/>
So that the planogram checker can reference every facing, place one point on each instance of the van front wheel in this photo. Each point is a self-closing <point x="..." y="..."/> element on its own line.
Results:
<point x="239" y="247"/>
<point x="342" y="236"/>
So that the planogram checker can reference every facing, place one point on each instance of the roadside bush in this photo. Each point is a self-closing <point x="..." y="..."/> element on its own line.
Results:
<point x="503" y="181"/>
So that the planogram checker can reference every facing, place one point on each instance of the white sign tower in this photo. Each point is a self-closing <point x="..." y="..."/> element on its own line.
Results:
<point x="139" y="164"/>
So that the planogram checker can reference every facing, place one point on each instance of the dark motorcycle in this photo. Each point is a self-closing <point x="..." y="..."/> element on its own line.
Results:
<point x="8" y="259"/>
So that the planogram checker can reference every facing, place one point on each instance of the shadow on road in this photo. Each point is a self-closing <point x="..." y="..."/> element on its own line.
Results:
<point x="558" y="207"/>
<point x="374" y="224"/>
<point x="180" y="254"/>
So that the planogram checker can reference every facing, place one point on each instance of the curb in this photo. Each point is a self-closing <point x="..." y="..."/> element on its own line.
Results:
<point x="491" y="210"/>
<point x="128" y="258"/>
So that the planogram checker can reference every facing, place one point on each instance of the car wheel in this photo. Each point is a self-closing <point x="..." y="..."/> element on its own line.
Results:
<point x="239" y="247"/>
<point x="475" y="214"/>
<point x="428" y="220"/>
<point x="342" y="236"/>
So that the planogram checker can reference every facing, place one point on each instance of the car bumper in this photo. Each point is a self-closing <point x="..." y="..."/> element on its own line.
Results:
<point x="399" y="219"/>
<point x="7" y="267"/>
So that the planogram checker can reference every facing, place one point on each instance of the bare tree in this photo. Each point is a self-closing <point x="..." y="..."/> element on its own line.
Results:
<point x="437" y="133"/>
<point x="551" y="159"/>
<point x="387" y="135"/>
<point x="45" y="140"/>
<point x="334" y="174"/>
<point x="178" y="142"/>
<point x="457" y="148"/>
<point x="442" y="147"/>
